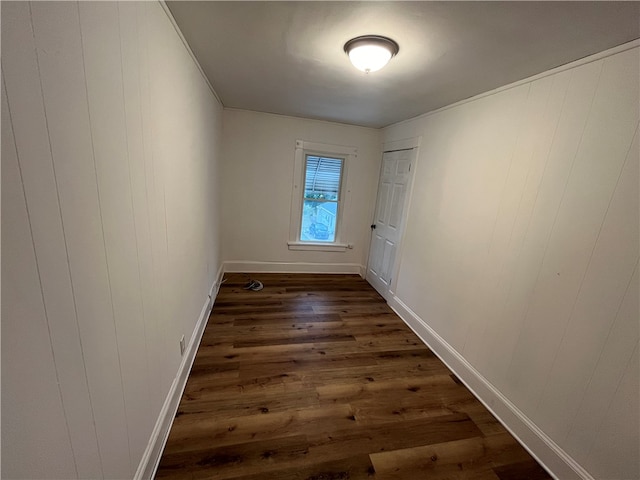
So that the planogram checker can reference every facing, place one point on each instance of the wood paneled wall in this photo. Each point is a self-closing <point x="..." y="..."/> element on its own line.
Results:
<point x="110" y="139"/>
<point x="521" y="250"/>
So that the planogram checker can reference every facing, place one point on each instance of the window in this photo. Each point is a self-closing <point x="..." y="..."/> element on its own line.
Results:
<point x="319" y="197"/>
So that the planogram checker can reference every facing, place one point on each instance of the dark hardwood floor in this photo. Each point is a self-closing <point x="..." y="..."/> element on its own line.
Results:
<point x="316" y="378"/>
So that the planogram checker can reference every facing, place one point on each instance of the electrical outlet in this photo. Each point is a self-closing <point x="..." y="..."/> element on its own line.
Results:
<point x="182" y="346"/>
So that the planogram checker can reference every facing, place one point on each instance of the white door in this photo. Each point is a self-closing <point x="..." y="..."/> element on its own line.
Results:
<point x="395" y="179"/>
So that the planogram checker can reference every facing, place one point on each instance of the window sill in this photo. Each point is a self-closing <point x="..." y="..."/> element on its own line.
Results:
<point x="318" y="247"/>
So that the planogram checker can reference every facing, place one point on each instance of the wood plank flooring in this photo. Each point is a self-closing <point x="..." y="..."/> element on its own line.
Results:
<point x="316" y="378"/>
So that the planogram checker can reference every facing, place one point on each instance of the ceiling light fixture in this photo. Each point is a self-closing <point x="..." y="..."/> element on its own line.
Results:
<point x="370" y="52"/>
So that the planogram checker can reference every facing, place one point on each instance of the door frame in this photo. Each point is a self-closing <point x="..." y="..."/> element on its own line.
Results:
<point x="403" y="144"/>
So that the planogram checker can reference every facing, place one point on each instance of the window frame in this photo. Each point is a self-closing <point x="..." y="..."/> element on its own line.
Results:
<point x="303" y="149"/>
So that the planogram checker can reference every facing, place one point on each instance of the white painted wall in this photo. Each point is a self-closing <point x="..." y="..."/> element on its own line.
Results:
<point x="521" y="250"/>
<point x="258" y="152"/>
<point x="110" y="139"/>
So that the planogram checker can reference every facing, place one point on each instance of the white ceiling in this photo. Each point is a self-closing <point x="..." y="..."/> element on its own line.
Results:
<point x="288" y="58"/>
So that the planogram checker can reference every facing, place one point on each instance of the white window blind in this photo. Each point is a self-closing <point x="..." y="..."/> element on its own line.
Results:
<point x="322" y="178"/>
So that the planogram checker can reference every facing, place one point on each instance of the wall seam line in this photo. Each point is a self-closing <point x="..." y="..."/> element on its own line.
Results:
<point x="104" y="245"/>
<point x="160" y="265"/>
<point x="531" y="161"/>
<point x="66" y="248"/>
<point x="584" y="275"/>
<point x="613" y="397"/>
<point x="604" y="345"/>
<point x="147" y="159"/>
<point x="35" y="257"/>
<point x="535" y="202"/>
<point x="133" y="210"/>
<point x="502" y="194"/>
<point x="555" y="219"/>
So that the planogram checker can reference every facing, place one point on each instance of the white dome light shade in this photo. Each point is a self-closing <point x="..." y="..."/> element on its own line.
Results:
<point x="369" y="58"/>
<point x="370" y="53"/>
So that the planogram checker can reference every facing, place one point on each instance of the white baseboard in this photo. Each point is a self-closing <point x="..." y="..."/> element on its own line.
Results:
<point x="292" y="267"/>
<point x="151" y="457"/>
<point x="553" y="458"/>
<point x="215" y="288"/>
